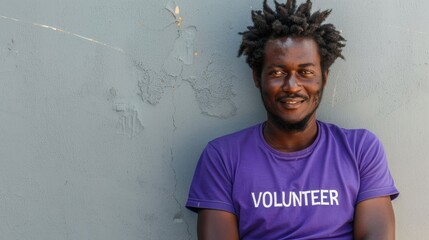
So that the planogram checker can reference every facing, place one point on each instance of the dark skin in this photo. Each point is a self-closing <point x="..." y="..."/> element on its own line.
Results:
<point x="215" y="224"/>
<point x="291" y="85"/>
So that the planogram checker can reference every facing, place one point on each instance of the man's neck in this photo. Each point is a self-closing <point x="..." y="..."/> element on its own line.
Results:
<point x="290" y="141"/>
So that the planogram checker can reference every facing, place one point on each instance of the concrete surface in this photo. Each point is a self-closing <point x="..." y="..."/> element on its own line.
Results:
<point x="106" y="105"/>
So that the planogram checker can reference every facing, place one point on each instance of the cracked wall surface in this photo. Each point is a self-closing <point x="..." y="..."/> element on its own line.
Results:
<point x="107" y="105"/>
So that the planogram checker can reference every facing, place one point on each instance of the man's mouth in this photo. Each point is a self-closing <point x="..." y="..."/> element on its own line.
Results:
<point x="292" y="102"/>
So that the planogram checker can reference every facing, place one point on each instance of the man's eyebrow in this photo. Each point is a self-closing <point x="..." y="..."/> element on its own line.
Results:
<point x="276" y="66"/>
<point x="306" y="65"/>
<point x="302" y="65"/>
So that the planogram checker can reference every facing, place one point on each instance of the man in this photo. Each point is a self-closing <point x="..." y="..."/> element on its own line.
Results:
<point x="293" y="177"/>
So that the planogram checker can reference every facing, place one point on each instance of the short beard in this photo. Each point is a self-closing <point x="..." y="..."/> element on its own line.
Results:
<point x="292" y="126"/>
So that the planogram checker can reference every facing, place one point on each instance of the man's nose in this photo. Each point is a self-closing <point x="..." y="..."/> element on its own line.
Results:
<point x="291" y="83"/>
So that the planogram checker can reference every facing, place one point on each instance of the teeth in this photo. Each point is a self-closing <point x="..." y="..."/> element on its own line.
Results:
<point x="291" y="102"/>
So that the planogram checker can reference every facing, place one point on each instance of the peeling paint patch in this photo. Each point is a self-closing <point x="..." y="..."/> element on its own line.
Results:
<point x="214" y="91"/>
<point x="64" y="32"/>
<point x="183" y="52"/>
<point x="152" y="85"/>
<point x="184" y="45"/>
<point x="129" y="123"/>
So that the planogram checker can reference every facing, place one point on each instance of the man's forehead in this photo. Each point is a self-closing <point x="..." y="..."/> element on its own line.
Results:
<point x="290" y="42"/>
<point x="299" y="50"/>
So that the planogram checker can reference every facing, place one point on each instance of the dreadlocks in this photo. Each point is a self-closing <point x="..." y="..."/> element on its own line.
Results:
<point x="293" y="21"/>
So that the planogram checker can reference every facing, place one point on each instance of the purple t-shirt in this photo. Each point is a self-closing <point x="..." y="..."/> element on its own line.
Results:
<point x="309" y="194"/>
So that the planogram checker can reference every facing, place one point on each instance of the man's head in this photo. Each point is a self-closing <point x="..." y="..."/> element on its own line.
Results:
<point x="288" y="20"/>
<point x="290" y="52"/>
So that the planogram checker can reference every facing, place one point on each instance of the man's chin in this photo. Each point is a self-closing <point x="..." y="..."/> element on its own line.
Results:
<point x="295" y="126"/>
<point x="292" y="126"/>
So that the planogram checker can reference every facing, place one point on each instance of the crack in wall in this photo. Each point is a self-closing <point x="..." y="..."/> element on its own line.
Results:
<point x="179" y="216"/>
<point x="56" y="29"/>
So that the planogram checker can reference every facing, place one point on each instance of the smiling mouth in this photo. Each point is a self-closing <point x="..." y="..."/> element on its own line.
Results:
<point x="292" y="100"/>
<point x="291" y="103"/>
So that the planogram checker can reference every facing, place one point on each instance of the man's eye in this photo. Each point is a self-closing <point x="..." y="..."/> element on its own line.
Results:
<point x="277" y="73"/>
<point x="306" y="72"/>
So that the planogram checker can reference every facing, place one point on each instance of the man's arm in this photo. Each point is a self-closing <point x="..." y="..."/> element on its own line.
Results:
<point x="216" y="224"/>
<point x="374" y="219"/>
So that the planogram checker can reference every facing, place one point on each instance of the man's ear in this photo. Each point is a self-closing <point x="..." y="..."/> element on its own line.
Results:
<point x="325" y="77"/>
<point x="256" y="78"/>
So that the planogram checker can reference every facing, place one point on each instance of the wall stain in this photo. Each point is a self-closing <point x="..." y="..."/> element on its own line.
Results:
<point x="175" y="11"/>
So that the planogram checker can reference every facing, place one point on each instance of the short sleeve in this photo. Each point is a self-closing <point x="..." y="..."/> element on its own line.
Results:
<point x="212" y="183"/>
<point x="375" y="177"/>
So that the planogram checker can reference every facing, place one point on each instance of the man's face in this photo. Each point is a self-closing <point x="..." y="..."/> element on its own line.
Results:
<point x="291" y="82"/>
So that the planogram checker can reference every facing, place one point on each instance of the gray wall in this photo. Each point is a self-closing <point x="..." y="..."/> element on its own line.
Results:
<point x="105" y="107"/>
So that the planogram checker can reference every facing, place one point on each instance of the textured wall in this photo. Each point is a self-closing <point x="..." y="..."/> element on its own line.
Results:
<point x="106" y="105"/>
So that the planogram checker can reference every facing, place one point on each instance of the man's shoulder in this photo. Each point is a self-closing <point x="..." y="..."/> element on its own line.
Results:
<point x="353" y="135"/>
<point x="238" y="137"/>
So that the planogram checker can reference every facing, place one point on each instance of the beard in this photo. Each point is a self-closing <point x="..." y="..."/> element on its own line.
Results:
<point x="292" y="126"/>
<point x="289" y="126"/>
